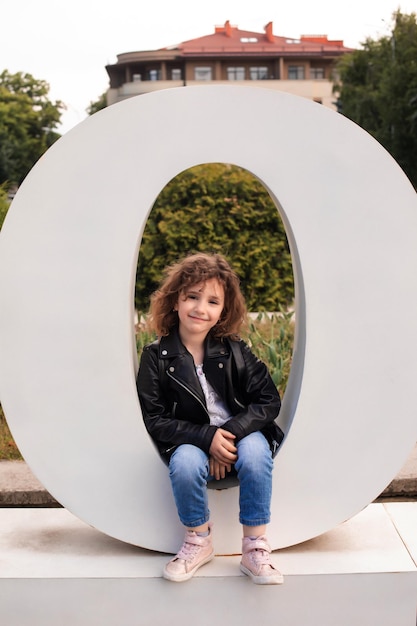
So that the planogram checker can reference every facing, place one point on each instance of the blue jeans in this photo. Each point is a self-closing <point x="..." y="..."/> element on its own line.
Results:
<point x="189" y="473"/>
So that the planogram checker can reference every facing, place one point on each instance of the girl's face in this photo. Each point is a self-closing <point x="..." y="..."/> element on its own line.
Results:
<point x="200" y="308"/>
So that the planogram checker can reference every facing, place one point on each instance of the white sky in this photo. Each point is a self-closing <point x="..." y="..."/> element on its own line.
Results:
<point x="69" y="42"/>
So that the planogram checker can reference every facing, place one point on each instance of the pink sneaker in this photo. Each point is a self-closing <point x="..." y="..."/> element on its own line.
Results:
<point x="256" y="562"/>
<point x="194" y="552"/>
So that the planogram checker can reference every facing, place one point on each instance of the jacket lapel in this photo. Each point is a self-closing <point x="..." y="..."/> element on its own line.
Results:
<point x="179" y="364"/>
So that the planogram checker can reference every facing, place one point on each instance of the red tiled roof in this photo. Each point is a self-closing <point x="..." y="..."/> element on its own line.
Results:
<point x="229" y="39"/>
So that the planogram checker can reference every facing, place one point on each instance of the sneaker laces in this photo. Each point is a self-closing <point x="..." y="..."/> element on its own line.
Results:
<point x="189" y="549"/>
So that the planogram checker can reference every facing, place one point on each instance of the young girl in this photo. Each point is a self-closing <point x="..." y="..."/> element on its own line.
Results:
<point x="210" y="410"/>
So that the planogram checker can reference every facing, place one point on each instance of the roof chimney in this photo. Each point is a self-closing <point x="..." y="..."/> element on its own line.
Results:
<point x="227" y="29"/>
<point x="269" y="34"/>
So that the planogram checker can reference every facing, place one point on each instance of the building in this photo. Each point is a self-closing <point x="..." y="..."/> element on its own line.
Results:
<point x="303" y="67"/>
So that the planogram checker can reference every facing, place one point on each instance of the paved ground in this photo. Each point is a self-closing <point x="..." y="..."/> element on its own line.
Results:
<point x="20" y="488"/>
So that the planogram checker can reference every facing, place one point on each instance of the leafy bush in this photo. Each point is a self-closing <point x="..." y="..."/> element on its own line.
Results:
<point x="219" y="208"/>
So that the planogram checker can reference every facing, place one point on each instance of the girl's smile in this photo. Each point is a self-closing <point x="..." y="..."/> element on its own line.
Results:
<point x="200" y="308"/>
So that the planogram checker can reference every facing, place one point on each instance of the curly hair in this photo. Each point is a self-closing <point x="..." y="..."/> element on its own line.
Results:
<point x="180" y="277"/>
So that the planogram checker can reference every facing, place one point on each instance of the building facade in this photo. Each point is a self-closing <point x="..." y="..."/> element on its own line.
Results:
<point x="304" y="67"/>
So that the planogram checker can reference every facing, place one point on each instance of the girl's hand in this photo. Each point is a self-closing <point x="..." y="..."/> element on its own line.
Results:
<point x="222" y="448"/>
<point x="218" y="470"/>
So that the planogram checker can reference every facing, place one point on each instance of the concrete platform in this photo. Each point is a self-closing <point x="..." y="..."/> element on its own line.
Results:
<point x="55" y="569"/>
<point x="404" y="485"/>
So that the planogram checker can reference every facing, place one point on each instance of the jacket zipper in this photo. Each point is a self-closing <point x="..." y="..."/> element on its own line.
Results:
<point x="242" y="406"/>
<point x="190" y="392"/>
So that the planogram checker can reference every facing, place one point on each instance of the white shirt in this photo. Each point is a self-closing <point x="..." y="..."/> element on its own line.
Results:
<point x="217" y="410"/>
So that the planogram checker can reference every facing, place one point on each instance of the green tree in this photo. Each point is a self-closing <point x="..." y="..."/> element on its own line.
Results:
<point x="28" y="122"/>
<point x="378" y="90"/>
<point x="219" y="208"/>
<point x="97" y="105"/>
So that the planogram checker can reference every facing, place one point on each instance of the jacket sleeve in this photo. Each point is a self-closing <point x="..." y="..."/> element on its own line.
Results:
<point x="166" y="430"/>
<point x="259" y="395"/>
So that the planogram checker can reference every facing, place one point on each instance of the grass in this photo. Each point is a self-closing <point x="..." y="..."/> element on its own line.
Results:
<point x="8" y="448"/>
<point x="271" y="337"/>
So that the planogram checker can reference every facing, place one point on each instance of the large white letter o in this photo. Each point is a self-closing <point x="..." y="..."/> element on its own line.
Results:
<point x="68" y="256"/>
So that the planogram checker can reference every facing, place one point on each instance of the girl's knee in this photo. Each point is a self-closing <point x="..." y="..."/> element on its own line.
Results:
<point x="254" y="451"/>
<point x="188" y="462"/>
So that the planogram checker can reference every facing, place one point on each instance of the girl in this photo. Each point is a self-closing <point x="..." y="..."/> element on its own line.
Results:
<point x="209" y="405"/>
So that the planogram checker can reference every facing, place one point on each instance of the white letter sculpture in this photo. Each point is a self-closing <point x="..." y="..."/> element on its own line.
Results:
<point x="68" y="255"/>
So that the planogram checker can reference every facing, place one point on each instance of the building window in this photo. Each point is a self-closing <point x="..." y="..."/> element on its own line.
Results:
<point x="249" y="40"/>
<point x="154" y="75"/>
<point x="258" y="73"/>
<point x="235" y="73"/>
<point x="203" y="73"/>
<point x="296" y="72"/>
<point x="316" y="73"/>
<point x="176" y="74"/>
<point x="137" y="78"/>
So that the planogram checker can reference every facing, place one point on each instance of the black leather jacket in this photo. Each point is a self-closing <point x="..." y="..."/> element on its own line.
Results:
<point x="173" y="403"/>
